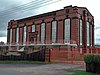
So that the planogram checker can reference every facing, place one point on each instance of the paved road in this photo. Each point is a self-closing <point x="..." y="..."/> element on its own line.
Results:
<point x="37" y="69"/>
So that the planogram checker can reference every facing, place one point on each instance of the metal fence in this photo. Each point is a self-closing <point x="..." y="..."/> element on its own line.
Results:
<point x="35" y="56"/>
<point x="72" y="56"/>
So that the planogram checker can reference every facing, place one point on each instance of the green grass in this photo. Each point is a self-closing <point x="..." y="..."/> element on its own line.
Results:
<point x="84" y="73"/>
<point x="21" y="61"/>
<point x="26" y="61"/>
<point x="69" y="59"/>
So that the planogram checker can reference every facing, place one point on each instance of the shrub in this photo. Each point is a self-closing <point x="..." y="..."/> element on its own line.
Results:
<point x="88" y="58"/>
<point x="96" y="58"/>
<point x="92" y="63"/>
<point x="92" y="58"/>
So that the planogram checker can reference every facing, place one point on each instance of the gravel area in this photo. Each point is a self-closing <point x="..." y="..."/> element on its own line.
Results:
<point x="39" y="69"/>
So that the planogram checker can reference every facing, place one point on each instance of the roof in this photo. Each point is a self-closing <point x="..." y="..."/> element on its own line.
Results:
<point x="48" y="14"/>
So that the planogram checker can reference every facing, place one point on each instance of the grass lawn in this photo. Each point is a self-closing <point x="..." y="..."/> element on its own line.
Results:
<point x="21" y="61"/>
<point x="84" y="73"/>
<point x="26" y="61"/>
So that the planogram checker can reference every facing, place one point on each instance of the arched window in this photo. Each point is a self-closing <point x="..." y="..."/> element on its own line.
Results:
<point x="10" y="36"/>
<point x="17" y="35"/>
<point x="81" y="32"/>
<point x="54" y="30"/>
<point x="24" y="37"/>
<point x="91" y="34"/>
<point x="67" y="30"/>
<point x="43" y="33"/>
<point x="87" y="33"/>
<point x="33" y="28"/>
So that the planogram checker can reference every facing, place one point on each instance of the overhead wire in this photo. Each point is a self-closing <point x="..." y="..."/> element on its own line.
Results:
<point x="22" y="5"/>
<point x="34" y="6"/>
<point x="7" y="14"/>
<point x="11" y="14"/>
<point x="27" y="5"/>
<point x="97" y="28"/>
<point x="39" y="6"/>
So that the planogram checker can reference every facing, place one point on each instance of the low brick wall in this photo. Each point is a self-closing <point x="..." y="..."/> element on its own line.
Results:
<point x="35" y="56"/>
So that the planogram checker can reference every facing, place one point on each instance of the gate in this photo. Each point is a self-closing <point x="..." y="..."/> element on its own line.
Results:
<point x="71" y="56"/>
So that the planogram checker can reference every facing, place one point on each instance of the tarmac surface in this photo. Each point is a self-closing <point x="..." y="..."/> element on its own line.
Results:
<point x="39" y="69"/>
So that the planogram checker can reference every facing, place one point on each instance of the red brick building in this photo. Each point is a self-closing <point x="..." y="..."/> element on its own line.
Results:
<point x="72" y="25"/>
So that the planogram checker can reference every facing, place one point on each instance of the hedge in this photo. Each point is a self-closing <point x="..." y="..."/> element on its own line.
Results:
<point x="92" y="58"/>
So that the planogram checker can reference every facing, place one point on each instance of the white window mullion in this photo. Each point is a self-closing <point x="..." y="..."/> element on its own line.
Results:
<point x="43" y="33"/>
<point x="67" y="30"/>
<point x="54" y="28"/>
<point x="17" y="35"/>
<point x="33" y="28"/>
<point x="88" y="33"/>
<point x="24" y="37"/>
<point x="10" y="36"/>
<point x="80" y="32"/>
<point x="91" y="34"/>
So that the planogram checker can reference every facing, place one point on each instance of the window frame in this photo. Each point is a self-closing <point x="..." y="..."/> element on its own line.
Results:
<point x="43" y="37"/>
<point x="81" y="32"/>
<point x="54" y="37"/>
<point x="17" y="35"/>
<point x="87" y="32"/>
<point x="65" y="38"/>
<point x="34" y="27"/>
<point x="10" y="36"/>
<point x="24" y="34"/>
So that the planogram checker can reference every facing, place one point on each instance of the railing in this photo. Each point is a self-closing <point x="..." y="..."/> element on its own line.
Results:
<point x="69" y="42"/>
<point x="72" y="56"/>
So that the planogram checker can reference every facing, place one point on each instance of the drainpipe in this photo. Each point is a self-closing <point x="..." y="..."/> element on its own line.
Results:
<point x="84" y="30"/>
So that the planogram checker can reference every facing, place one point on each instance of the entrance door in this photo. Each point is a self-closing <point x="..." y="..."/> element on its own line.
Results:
<point x="33" y="37"/>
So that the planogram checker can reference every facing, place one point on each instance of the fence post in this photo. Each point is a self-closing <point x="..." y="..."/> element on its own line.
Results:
<point x="96" y="51"/>
<point x="50" y="55"/>
<point x="73" y="55"/>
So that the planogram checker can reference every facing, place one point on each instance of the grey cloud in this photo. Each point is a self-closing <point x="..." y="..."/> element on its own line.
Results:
<point x="7" y="15"/>
<point x="3" y="34"/>
<point x="7" y="4"/>
<point x="97" y="41"/>
<point x="15" y="12"/>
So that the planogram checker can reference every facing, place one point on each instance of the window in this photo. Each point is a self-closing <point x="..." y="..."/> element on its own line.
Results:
<point x="54" y="30"/>
<point x="24" y="33"/>
<point x="67" y="10"/>
<point x="80" y="32"/>
<point x="10" y="36"/>
<point x="42" y="32"/>
<point x="91" y="34"/>
<point x="67" y="30"/>
<point x="17" y="35"/>
<point x="33" y="28"/>
<point x="88" y="33"/>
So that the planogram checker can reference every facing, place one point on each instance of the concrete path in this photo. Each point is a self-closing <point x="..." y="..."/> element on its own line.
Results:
<point x="38" y="69"/>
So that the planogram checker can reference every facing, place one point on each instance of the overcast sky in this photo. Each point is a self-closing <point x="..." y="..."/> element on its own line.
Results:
<point x="17" y="13"/>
